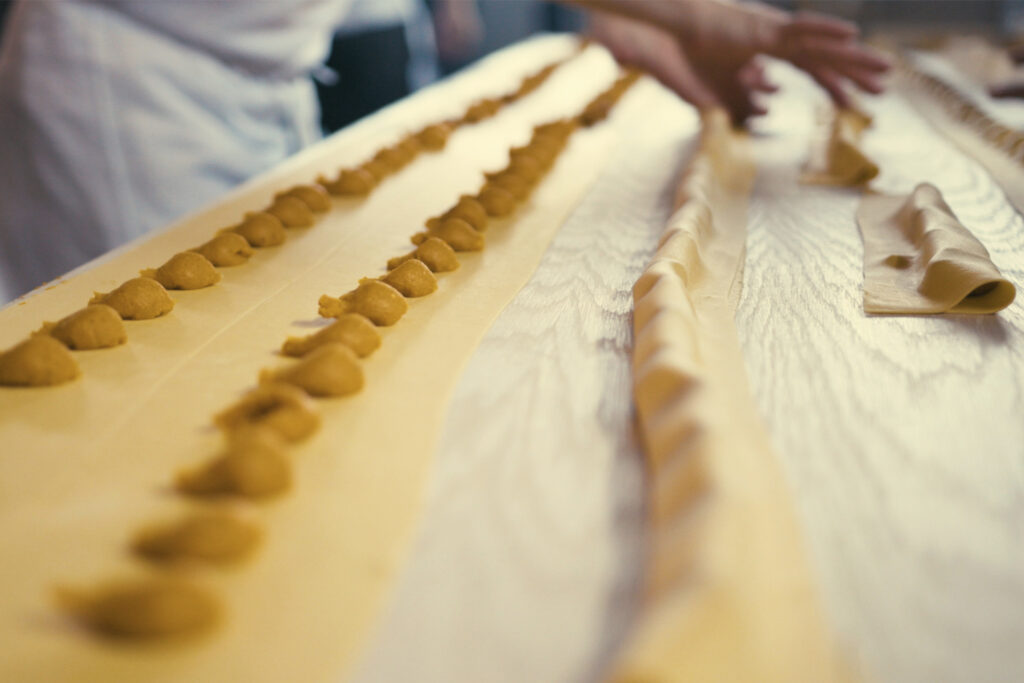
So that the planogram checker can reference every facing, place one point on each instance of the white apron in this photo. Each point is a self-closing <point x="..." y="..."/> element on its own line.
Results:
<point x="118" y="117"/>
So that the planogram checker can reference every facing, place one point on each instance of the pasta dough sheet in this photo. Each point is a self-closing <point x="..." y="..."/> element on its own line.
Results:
<point x="86" y="464"/>
<point x="731" y="597"/>
<point x="918" y="258"/>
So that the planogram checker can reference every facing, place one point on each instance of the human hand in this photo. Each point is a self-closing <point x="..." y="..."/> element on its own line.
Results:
<point x="663" y="56"/>
<point x="828" y="50"/>
<point x="719" y="40"/>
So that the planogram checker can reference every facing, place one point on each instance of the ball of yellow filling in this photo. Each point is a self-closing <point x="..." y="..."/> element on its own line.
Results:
<point x="329" y="370"/>
<point x="412" y="279"/>
<point x="351" y="329"/>
<point x="478" y="111"/>
<point x="94" y="327"/>
<point x="351" y="182"/>
<point x="392" y="158"/>
<point x="378" y="170"/>
<point x="378" y="301"/>
<point x="434" y="137"/>
<point x="260" y="229"/>
<point x="542" y="159"/>
<point x="37" y="362"/>
<point x="252" y="466"/>
<point x="313" y="196"/>
<point x="214" y="537"/>
<point x="226" y="249"/>
<point x="292" y="212"/>
<point x="433" y="252"/>
<point x="526" y="166"/>
<point x="410" y="147"/>
<point x="459" y="234"/>
<point x="142" y="608"/>
<point x="185" y="270"/>
<point x="558" y="131"/>
<point x="470" y="210"/>
<point x="497" y="201"/>
<point x="507" y="180"/>
<point x="140" y="298"/>
<point x="282" y="408"/>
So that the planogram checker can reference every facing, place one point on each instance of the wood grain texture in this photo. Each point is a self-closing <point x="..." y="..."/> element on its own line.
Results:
<point x="903" y="437"/>
<point x="525" y="568"/>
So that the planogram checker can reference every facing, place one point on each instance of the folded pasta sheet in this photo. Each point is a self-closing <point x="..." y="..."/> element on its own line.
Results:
<point x="729" y="594"/>
<point x="838" y="159"/>
<point x="918" y="258"/>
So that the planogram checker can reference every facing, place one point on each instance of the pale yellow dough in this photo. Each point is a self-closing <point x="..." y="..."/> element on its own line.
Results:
<point x="140" y="298"/>
<point x="142" y="608"/>
<point x="838" y="159"/>
<point x="216" y="537"/>
<point x="918" y="258"/>
<point x="97" y="326"/>
<point x="281" y="408"/>
<point x="38" y="361"/>
<point x="730" y="595"/>
<point x="185" y="270"/>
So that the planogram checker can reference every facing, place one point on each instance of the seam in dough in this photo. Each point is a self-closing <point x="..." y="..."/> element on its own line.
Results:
<point x="918" y="258"/>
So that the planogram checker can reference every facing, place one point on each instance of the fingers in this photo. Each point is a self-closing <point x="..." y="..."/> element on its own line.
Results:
<point x="832" y="83"/>
<point x="865" y="80"/>
<point x="752" y="77"/>
<point x="838" y="54"/>
<point x="823" y="25"/>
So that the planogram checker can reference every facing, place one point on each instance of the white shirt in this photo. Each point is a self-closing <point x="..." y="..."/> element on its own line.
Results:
<point x="119" y="116"/>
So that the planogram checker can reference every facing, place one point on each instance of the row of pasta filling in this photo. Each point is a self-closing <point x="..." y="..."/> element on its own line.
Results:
<point x="281" y="409"/>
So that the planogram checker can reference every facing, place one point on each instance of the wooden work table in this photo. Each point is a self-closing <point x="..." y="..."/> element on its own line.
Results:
<point x="902" y="438"/>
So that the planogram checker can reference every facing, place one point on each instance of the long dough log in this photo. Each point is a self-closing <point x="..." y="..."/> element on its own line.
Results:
<point x="730" y="596"/>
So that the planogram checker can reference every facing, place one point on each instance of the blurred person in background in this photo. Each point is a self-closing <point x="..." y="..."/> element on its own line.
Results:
<point x="120" y="116"/>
